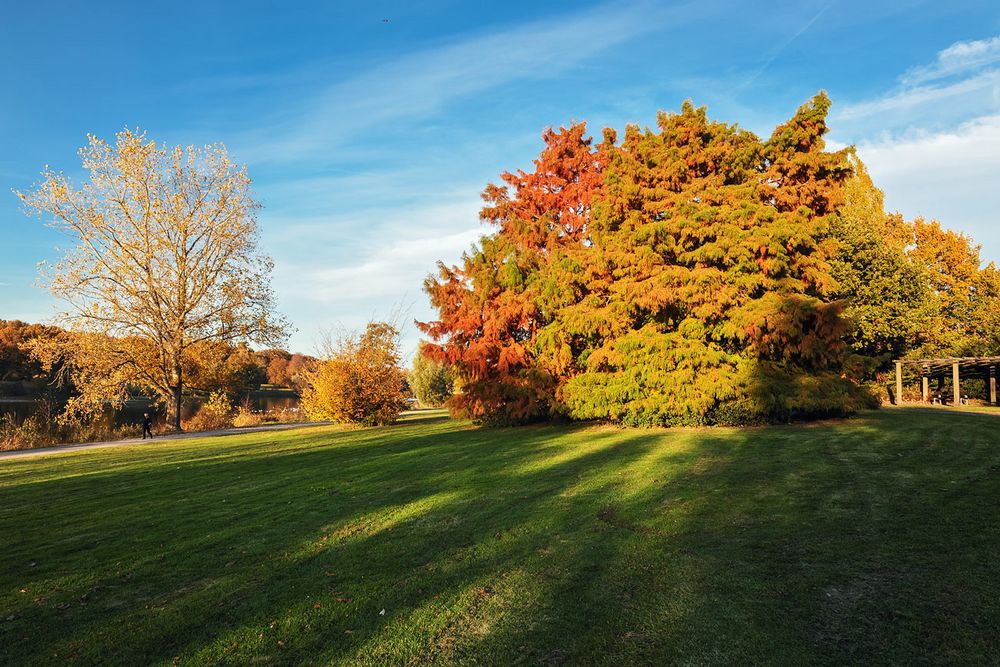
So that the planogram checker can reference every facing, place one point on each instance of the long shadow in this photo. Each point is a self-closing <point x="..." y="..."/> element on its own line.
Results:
<point x="827" y="552"/>
<point x="499" y="547"/>
<point x="203" y="491"/>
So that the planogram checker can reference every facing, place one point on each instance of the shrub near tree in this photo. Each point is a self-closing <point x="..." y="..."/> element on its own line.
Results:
<point x="679" y="277"/>
<point x="358" y="380"/>
<point x="431" y="381"/>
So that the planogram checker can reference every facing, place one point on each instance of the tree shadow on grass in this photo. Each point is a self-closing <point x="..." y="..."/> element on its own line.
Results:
<point x="158" y="536"/>
<point x="535" y="545"/>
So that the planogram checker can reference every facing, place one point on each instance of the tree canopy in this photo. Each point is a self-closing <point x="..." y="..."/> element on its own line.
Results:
<point x="165" y="258"/>
<point x="679" y="276"/>
<point x="431" y="381"/>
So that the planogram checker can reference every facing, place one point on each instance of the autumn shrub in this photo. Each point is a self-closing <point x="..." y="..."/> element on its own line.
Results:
<point x="285" y="415"/>
<point x="216" y="413"/>
<point x="246" y="417"/>
<point x="359" y="380"/>
<point x="41" y="430"/>
<point x="97" y="430"/>
<point x="26" y="434"/>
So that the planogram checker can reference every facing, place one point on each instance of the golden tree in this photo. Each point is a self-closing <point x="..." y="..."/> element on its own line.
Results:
<point x="165" y="257"/>
<point x="359" y="380"/>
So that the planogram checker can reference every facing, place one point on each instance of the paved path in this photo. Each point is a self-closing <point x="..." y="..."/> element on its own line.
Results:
<point x="42" y="451"/>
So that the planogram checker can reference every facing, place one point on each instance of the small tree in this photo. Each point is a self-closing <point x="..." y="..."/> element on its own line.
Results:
<point x="359" y="380"/>
<point x="165" y="257"/>
<point x="431" y="381"/>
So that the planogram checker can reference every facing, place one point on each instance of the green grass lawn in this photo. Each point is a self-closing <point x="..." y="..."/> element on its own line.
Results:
<point x="873" y="541"/>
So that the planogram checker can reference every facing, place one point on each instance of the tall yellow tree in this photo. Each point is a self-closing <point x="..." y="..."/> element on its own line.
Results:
<point x="165" y="256"/>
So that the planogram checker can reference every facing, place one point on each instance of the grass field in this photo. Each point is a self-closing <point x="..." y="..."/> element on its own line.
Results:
<point x="872" y="541"/>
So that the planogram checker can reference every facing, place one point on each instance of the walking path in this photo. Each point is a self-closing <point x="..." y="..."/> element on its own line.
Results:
<point x="42" y="451"/>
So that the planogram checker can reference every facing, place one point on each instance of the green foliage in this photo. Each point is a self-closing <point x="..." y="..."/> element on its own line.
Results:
<point x="886" y="294"/>
<point x="430" y="380"/>
<point x="911" y="289"/>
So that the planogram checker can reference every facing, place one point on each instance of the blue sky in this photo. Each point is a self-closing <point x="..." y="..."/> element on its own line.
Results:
<point x="370" y="141"/>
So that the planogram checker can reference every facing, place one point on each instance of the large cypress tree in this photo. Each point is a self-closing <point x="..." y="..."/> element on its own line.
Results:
<point x="693" y="287"/>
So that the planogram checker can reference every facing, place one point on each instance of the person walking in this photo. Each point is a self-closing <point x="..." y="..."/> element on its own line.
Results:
<point x="147" y="426"/>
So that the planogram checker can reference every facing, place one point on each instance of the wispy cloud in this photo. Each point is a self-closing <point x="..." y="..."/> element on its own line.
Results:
<point x="962" y="83"/>
<point x="389" y="270"/>
<point x="423" y="82"/>
<point x="959" y="58"/>
<point x="984" y="85"/>
<point x="363" y="263"/>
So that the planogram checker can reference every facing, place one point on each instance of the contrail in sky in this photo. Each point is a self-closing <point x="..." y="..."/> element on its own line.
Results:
<point x="784" y="46"/>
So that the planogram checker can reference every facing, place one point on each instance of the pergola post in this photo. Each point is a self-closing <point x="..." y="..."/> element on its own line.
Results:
<point x="955" y="383"/>
<point x="925" y="384"/>
<point x="899" y="382"/>
<point x="993" y="385"/>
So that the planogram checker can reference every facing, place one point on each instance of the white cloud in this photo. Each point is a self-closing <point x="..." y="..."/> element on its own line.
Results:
<point x="984" y="87"/>
<point x="341" y="270"/>
<point x="953" y="176"/>
<point x="961" y="84"/>
<point x="389" y="270"/>
<point x="958" y="58"/>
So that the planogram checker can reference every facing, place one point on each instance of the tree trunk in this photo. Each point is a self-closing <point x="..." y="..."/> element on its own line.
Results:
<point x="177" y="397"/>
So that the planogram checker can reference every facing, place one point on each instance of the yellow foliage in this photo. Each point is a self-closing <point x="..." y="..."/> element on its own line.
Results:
<point x="165" y="255"/>
<point x="359" y="381"/>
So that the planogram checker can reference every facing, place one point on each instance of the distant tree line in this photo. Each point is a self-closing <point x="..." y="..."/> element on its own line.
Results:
<point x="233" y="369"/>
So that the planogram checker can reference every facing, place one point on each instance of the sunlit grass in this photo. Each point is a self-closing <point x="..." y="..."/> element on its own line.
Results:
<point x="873" y="540"/>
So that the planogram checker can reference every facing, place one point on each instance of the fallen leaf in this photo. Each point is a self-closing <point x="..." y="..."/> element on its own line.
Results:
<point x="281" y="644"/>
<point x="344" y="599"/>
<point x="317" y="605"/>
<point x="330" y="574"/>
<point x="382" y="613"/>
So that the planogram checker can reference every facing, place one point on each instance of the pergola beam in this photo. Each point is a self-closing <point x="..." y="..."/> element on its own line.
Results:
<point x="985" y="367"/>
<point x="955" y="383"/>
<point x="993" y="385"/>
<point x="947" y="361"/>
<point x="899" y="383"/>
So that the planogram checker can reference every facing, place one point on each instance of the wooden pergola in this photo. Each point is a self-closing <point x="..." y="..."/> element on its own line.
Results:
<point x="936" y="367"/>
